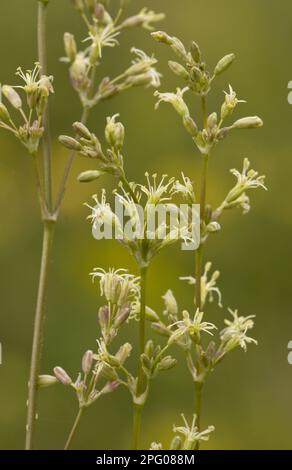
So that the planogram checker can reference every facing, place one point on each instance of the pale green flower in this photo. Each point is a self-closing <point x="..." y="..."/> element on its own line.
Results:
<point x="191" y="327"/>
<point x="191" y="433"/>
<point x="208" y="286"/>
<point x="235" y="333"/>
<point x="176" y="100"/>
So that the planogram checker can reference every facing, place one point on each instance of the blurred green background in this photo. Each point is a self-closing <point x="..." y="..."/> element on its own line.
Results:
<point x="248" y="398"/>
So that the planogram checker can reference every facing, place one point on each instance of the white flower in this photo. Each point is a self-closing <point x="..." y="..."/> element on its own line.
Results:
<point x="235" y="333"/>
<point x="208" y="286"/>
<point x="102" y="213"/>
<point x="118" y="286"/>
<point x="230" y="103"/>
<point x="246" y="180"/>
<point x="142" y="66"/>
<point x="191" y="433"/>
<point x="105" y="37"/>
<point x="156" y="192"/>
<point x="192" y="327"/>
<point x="185" y="188"/>
<point x="170" y="303"/>
<point x="249" y="179"/>
<point x="34" y="81"/>
<point x="176" y="99"/>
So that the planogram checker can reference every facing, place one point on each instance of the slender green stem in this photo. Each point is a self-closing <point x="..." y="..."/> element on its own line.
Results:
<point x="46" y="141"/>
<point x="38" y="333"/>
<point x="142" y="323"/>
<point x="74" y="428"/>
<point x="48" y="234"/>
<point x="199" y="260"/>
<point x="204" y="110"/>
<point x="198" y="274"/>
<point x="198" y="406"/>
<point x="137" y="418"/>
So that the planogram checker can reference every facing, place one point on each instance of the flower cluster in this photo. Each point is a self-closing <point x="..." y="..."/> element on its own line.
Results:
<point x="140" y="203"/>
<point x="88" y="145"/>
<point x="37" y="89"/>
<point x="237" y="197"/>
<point x="186" y="331"/>
<point x="103" y="32"/>
<point x="198" y="80"/>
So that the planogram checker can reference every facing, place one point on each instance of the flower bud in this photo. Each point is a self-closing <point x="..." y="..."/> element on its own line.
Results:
<point x="161" y="36"/>
<point x="110" y="387"/>
<point x="161" y="329"/>
<point x="212" y="121"/>
<point x="143" y="79"/>
<point x="46" y="380"/>
<point x="196" y="52"/>
<point x="224" y="64"/>
<point x="124" y="352"/>
<point x="176" y="443"/>
<point x="114" y="133"/>
<point x="87" y="361"/>
<point x="103" y="316"/>
<point x="133" y="21"/>
<point x="251" y="122"/>
<point x="167" y="363"/>
<point x="122" y="315"/>
<point x="146" y="362"/>
<point x="62" y="376"/>
<point x="82" y="130"/>
<point x="222" y="133"/>
<point x="70" y="46"/>
<point x="89" y="176"/>
<point x="4" y="113"/>
<point x="151" y="315"/>
<point x="108" y="373"/>
<point x="190" y="126"/>
<point x="178" y="70"/>
<point x="12" y="96"/>
<point x="170" y="303"/>
<point x="99" y="12"/>
<point x="179" y="49"/>
<point x="149" y="348"/>
<point x="70" y="143"/>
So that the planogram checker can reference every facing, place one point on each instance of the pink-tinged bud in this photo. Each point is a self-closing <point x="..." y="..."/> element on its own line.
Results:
<point x="103" y="316"/>
<point x="87" y="361"/>
<point x="62" y="376"/>
<point x="122" y="315"/>
<point x="110" y="387"/>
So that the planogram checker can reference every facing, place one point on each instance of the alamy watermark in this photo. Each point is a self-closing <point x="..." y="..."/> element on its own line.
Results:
<point x="165" y="223"/>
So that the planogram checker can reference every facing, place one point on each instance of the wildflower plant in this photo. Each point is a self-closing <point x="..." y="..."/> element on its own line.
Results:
<point x="24" y="112"/>
<point x="187" y="330"/>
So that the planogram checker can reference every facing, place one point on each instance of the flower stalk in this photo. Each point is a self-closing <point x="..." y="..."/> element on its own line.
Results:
<point x="48" y="236"/>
